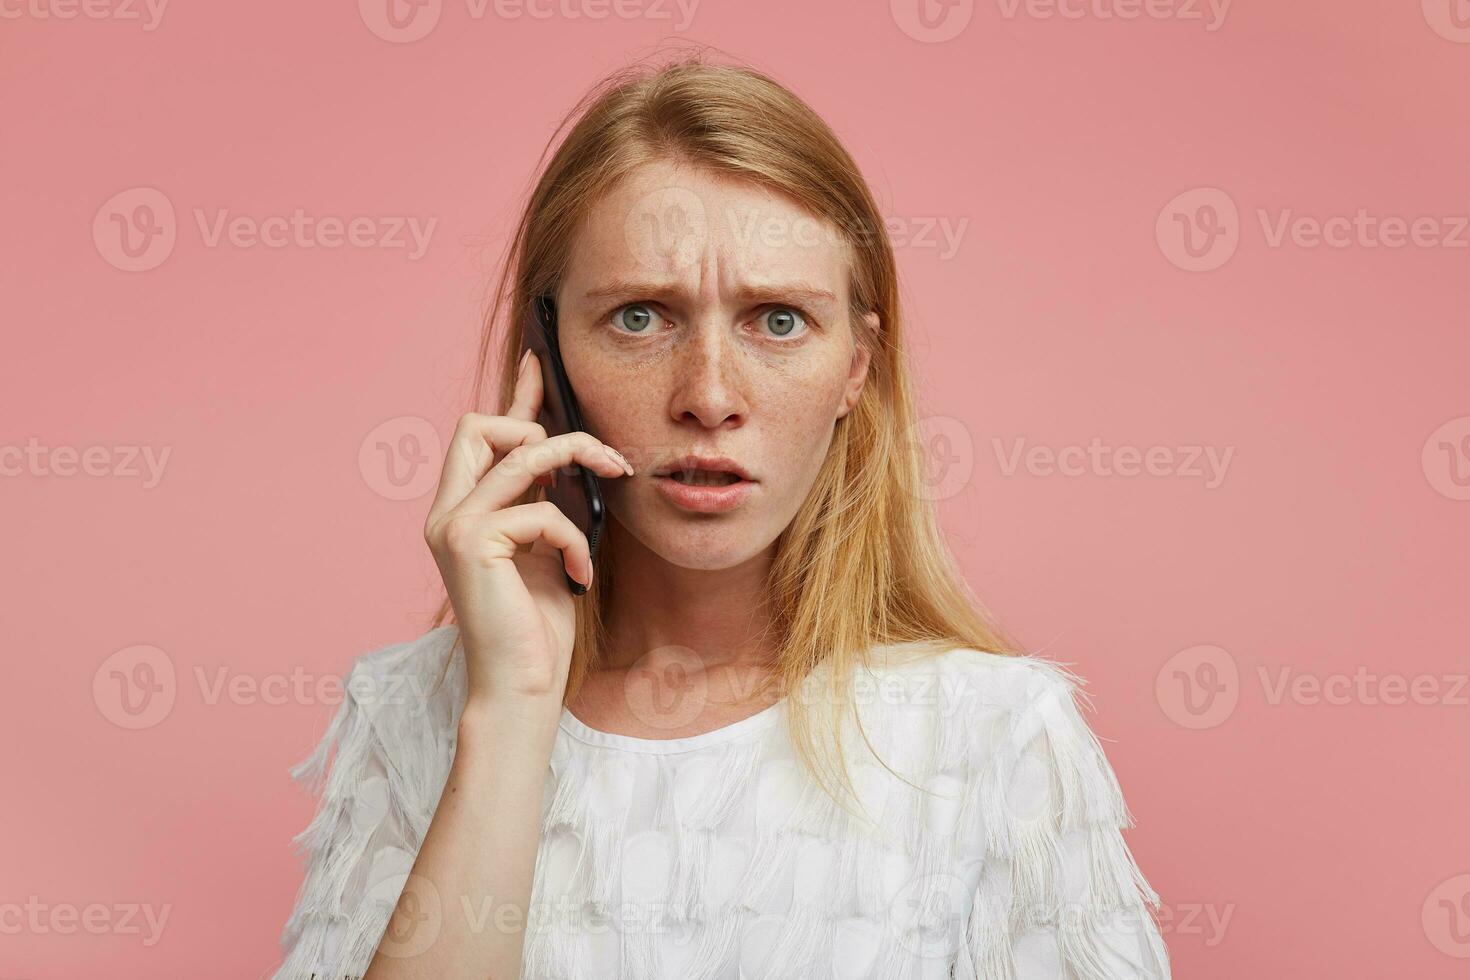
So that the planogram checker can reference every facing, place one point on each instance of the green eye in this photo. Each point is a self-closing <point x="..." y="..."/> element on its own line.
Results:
<point x="784" y="321"/>
<point x="635" y="316"/>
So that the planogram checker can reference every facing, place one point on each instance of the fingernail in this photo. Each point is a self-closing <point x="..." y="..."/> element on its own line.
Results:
<point x="617" y="457"/>
<point x="580" y="587"/>
<point x="525" y="356"/>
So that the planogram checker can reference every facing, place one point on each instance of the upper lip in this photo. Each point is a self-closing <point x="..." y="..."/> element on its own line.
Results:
<point x="717" y="464"/>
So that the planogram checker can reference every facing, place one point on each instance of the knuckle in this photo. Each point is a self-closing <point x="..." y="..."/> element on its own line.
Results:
<point x="515" y="460"/>
<point x="534" y="457"/>
<point x="459" y="535"/>
<point x="551" y="514"/>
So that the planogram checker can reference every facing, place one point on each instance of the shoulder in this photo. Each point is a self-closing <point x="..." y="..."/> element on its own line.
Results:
<point x="379" y="769"/>
<point x="1037" y="753"/>
<point x="991" y="716"/>
<point x="410" y="666"/>
<point x="418" y="678"/>
<point x="964" y="681"/>
<point x="411" y="692"/>
<point x="400" y="705"/>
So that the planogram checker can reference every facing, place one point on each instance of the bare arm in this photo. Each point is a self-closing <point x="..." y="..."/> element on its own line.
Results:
<point x="463" y="911"/>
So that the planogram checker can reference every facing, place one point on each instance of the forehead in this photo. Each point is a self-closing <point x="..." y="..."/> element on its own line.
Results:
<point x="681" y="222"/>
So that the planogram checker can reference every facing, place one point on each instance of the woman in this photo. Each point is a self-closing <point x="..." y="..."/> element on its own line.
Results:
<point x="857" y="777"/>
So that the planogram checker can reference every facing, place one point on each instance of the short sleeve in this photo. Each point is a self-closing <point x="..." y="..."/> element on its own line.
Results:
<point x="1060" y="895"/>
<point x="391" y="759"/>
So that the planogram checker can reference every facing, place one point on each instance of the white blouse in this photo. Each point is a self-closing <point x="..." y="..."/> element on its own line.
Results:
<point x="715" y="857"/>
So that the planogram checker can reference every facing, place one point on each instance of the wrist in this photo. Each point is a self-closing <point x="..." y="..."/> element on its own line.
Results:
<point x="491" y="715"/>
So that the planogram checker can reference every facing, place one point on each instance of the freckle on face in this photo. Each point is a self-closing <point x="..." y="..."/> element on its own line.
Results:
<point x="707" y="376"/>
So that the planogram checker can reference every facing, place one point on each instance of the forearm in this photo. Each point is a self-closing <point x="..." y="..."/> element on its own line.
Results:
<point x="471" y="884"/>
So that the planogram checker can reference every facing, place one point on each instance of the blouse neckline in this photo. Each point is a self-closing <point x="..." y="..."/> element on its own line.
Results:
<point x="583" y="732"/>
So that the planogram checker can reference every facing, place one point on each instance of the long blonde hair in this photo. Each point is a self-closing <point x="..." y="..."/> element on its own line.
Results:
<point x="863" y="563"/>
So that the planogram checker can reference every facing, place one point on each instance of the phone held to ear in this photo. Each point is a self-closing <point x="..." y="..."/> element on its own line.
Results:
<point x="576" y="492"/>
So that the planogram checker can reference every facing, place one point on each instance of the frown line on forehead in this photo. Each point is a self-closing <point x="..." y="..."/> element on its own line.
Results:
<point x="747" y="292"/>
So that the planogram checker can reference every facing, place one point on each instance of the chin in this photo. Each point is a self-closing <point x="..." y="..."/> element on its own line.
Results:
<point x="700" y="542"/>
<point x="705" y="550"/>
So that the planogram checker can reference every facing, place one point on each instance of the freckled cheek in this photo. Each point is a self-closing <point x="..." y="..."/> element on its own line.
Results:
<point x="790" y="412"/>
<point x="612" y="409"/>
<point x="795" y="427"/>
<point x="626" y="411"/>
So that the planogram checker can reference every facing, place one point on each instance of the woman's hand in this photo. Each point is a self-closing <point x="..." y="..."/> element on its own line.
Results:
<point x="516" y="615"/>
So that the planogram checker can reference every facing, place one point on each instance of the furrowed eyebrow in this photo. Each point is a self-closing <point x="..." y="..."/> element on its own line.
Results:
<point x="764" y="293"/>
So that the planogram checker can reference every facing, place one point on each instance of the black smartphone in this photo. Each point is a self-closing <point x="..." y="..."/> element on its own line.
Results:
<point x="576" y="490"/>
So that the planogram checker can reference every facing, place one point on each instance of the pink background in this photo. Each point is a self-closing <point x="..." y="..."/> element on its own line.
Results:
<point x="1289" y="836"/>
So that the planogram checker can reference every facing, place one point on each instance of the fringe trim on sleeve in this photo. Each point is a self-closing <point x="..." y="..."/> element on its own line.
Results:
<point x="378" y="770"/>
<point x="1059" y="866"/>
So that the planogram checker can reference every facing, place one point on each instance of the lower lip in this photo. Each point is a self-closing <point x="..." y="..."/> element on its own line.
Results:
<point x="705" y="500"/>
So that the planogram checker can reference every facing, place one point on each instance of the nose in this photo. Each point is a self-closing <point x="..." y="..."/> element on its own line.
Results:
<point x="709" y="379"/>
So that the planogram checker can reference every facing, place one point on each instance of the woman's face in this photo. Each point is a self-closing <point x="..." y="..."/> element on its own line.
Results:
<point x="709" y="316"/>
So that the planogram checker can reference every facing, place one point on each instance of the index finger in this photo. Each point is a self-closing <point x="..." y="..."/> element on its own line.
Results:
<point x="526" y="402"/>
